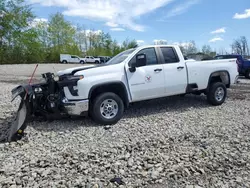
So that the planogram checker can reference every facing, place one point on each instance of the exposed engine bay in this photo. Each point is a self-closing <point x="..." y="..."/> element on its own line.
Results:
<point x="47" y="100"/>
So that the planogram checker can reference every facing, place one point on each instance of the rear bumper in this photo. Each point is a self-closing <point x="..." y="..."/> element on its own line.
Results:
<point x="77" y="108"/>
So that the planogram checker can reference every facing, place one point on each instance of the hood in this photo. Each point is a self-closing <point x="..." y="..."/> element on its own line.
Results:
<point x="70" y="70"/>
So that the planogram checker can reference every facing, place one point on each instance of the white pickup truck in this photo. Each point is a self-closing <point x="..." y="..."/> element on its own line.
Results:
<point x="146" y="72"/>
<point x="67" y="58"/>
<point x="91" y="59"/>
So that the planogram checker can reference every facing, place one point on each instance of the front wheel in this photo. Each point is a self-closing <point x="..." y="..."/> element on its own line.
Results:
<point x="107" y="109"/>
<point x="217" y="93"/>
<point x="97" y="62"/>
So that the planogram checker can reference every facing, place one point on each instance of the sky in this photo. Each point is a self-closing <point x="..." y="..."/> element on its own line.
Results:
<point x="212" y="22"/>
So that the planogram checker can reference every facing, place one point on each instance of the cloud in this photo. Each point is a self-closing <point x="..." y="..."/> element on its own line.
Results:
<point x="36" y="21"/>
<point x="182" y="8"/>
<point x="92" y="32"/>
<point x="185" y="45"/>
<point x="111" y="24"/>
<point x="216" y="39"/>
<point x="245" y="15"/>
<point x="221" y="30"/>
<point x="114" y="13"/>
<point x="140" y="42"/>
<point x="160" y="41"/>
<point x="117" y="29"/>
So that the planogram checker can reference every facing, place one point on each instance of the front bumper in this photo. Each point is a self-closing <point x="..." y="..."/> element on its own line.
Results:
<point x="76" y="108"/>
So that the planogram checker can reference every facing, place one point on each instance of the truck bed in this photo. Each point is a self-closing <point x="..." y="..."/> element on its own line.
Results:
<point x="198" y="72"/>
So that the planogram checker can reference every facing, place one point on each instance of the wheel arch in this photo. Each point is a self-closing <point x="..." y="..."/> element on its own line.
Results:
<point x="116" y="87"/>
<point x="219" y="76"/>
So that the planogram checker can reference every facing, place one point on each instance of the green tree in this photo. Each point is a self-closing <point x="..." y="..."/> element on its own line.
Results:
<point x="14" y="23"/>
<point x="61" y="37"/>
<point x="24" y="39"/>
<point x="206" y="49"/>
<point x="240" y="46"/>
<point x="127" y="44"/>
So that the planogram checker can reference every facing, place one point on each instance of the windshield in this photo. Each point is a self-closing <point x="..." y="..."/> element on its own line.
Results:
<point x="120" y="57"/>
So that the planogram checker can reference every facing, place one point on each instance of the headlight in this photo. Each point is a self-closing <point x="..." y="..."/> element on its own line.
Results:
<point x="38" y="90"/>
<point x="77" y="77"/>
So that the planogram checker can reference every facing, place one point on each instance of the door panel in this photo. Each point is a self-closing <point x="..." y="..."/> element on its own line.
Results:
<point x="175" y="79"/>
<point x="175" y="72"/>
<point x="74" y="59"/>
<point x="147" y="82"/>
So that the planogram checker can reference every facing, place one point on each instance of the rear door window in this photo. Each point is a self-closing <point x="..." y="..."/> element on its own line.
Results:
<point x="169" y="55"/>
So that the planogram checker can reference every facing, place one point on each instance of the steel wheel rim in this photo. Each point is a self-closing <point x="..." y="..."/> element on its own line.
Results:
<point x="109" y="108"/>
<point x="219" y="94"/>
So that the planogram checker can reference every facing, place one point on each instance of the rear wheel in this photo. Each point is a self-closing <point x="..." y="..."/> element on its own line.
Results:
<point x="217" y="93"/>
<point x="107" y="108"/>
<point x="82" y="62"/>
<point x="248" y="74"/>
<point x="64" y="62"/>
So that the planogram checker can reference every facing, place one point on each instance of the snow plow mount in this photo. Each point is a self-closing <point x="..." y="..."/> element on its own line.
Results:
<point x="46" y="100"/>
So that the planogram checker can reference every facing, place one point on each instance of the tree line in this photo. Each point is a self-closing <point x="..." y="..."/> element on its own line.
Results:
<point x="26" y="39"/>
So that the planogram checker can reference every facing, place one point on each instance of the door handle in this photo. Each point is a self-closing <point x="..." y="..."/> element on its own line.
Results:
<point x="180" y="67"/>
<point x="158" y="70"/>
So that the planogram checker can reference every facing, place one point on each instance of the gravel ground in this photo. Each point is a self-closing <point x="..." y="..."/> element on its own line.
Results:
<point x="170" y="142"/>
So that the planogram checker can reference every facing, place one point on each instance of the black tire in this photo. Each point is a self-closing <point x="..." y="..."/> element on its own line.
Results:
<point x="64" y="62"/>
<point x="82" y="62"/>
<point x="213" y="89"/>
<point x="95" y="109"/>
<point x="97" y="62"/>
<point x="247" y="74"/>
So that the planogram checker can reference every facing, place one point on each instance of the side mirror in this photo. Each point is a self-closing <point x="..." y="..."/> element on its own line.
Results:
<point x="141" y="60"/>
<point x="132" y="67"/>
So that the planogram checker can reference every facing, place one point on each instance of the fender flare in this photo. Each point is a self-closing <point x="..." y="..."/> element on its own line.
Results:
<point x="211" y="75"/>
<point x="110" y="83"/>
